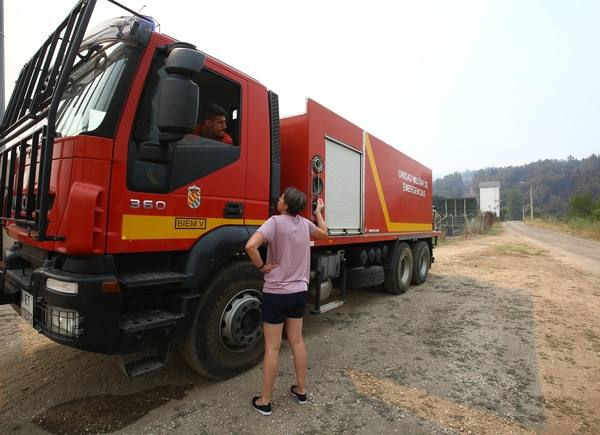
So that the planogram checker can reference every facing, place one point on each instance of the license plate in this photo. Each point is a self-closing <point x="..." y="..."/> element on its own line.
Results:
<point x="27" y="306"/>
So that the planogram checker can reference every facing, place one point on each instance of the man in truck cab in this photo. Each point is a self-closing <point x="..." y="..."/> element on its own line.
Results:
<point x="212" y="124"/>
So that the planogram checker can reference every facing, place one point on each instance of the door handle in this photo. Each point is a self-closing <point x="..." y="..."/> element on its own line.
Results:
<point x="233" y="210"/>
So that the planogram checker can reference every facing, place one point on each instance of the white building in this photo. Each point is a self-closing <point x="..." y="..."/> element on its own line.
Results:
<point x="489" y="197"/>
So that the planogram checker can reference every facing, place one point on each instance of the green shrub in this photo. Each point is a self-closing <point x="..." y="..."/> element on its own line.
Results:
<point x="585" y="227"/>
<point x="581" y="205"/>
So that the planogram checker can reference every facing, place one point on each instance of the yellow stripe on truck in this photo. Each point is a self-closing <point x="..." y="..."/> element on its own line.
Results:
<point x="391" y="226"/>
<point x="257" y="222"/>
<point x="140" y="227"/>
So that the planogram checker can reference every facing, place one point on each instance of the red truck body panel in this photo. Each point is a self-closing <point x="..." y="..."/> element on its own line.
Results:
<point x="397" y="189"/>
<point x="79" y="184"/>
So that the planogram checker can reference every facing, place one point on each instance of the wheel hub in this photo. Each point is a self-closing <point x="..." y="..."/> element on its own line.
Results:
<point x="240" y="323"/>
<point x="423" y="263"/>
<point x="403" y="270"/>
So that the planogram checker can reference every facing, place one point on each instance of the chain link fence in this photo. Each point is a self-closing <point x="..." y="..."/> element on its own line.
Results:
<point x="460" y="217"/>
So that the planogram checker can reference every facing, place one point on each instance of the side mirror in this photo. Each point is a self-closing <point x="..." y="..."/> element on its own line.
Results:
<point x="179" y="95"/>
<point x="178" y="106"/>
<point x="185" y="62"/>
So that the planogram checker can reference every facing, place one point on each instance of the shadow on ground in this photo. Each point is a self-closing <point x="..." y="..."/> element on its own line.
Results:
<point x="456" y="338"/>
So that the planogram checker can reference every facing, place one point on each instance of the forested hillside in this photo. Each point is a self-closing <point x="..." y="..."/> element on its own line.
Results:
<point x="554" y="182"/>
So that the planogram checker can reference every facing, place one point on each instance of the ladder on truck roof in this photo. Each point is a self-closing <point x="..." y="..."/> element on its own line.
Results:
<point x="36" y="97"/>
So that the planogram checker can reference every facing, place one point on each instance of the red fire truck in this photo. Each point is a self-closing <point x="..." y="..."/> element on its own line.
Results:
<point x="130" y="229"/>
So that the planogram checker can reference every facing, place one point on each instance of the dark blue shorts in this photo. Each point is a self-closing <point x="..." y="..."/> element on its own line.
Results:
<point x="276" y="308"/>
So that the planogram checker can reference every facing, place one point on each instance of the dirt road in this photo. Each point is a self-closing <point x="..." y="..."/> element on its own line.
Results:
<point x="503" y="338"/>
<point x="576" y="251"/>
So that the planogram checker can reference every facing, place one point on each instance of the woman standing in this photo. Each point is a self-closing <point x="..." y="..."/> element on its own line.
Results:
<point x="286" y="283"/>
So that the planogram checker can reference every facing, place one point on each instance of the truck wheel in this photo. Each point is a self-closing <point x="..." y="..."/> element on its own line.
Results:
<point x="397" y="278"/>
<point x="421" y="262"/>
<point x="225" y="337"/>
<point x="357" y="277"/>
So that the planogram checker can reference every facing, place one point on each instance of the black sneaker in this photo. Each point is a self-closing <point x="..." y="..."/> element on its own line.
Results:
<point x="263" y="409"/>
<point x="301" y="398"/>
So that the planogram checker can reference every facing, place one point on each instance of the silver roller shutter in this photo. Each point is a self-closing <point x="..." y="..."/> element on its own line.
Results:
<point x="343" y="190"/>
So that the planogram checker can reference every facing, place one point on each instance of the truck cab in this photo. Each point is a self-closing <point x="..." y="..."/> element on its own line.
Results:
<point x="108" y="187"/>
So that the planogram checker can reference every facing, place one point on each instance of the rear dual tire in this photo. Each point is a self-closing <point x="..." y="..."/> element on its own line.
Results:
<point x="409" y="265"/>
<point x="398" y="275"/>
<point x="421" y="262"/>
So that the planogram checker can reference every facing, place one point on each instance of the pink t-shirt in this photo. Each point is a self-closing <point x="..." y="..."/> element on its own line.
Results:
<point x="289" y="247"/>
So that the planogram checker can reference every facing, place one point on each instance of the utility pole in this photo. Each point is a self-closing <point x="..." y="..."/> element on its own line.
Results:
<point x="530" y="200"/>
<point x="1" y="59"/>
<point x="465" y="215"/>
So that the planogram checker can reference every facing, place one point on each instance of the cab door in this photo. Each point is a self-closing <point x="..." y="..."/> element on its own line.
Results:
<point x="178" y="191"/>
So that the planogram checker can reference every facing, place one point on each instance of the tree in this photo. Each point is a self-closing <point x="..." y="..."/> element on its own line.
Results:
<point x="514" y="204"/>
<point x="554" y="206"/>
<point x="554" y="182"/>
<point x="451" y="186"/>
<point x="581" y="205"/>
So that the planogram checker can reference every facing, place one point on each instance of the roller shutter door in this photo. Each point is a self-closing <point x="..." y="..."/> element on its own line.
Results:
<point x="343" y="188"/>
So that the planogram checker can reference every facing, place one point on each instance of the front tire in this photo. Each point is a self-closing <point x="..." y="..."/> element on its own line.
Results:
<point x="225" y="337"/>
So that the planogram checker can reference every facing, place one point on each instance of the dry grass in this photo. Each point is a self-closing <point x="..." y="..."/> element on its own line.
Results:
<point x="516" y="250"/>
<point x="574" y="226"/>
<point x="494" y="230"/>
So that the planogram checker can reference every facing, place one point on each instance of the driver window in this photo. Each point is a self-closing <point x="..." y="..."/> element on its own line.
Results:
<point x="218" y="114"/>
<point x="156" y="165"/>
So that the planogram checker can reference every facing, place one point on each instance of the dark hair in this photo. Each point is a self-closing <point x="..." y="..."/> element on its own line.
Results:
<point x="295" y="200"/>
<point x="210" y="111"/>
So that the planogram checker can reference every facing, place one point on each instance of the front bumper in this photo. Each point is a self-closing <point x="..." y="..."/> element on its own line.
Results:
<point x="87" y="320"/>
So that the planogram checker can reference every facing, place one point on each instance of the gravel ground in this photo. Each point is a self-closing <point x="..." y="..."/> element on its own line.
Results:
<point x="503" y="338"/>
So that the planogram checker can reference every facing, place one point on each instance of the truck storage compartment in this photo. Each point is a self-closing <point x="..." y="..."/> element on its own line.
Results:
<point x="343" y="188"/>
<point x="372" y="191"/>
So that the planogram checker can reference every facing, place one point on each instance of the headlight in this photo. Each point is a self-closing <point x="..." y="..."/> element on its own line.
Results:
<point x="62" y="322"/>
<point x="62" y="286"/>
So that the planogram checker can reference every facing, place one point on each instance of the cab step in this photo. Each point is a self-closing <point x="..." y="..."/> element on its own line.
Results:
<point x="328" y="307"/>
<point x="147" y="365"/>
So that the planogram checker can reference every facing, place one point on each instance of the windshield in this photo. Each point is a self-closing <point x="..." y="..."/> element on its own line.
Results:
<point x="91" y="88"/>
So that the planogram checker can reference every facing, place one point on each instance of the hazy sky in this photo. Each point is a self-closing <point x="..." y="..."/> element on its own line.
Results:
<point x="454" y="84"/>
